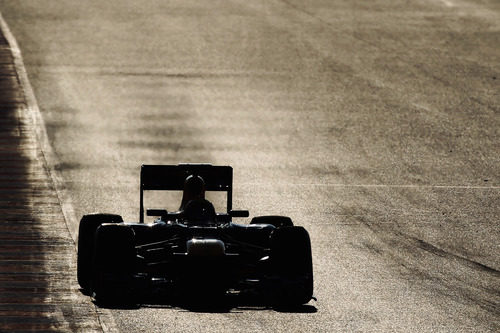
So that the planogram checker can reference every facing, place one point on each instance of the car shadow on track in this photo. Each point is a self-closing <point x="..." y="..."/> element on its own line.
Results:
<point x="203" y="304"/>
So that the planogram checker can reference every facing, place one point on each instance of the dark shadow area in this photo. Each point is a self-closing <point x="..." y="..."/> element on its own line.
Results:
<point x="204" y="304"/>
<point x="23" y="282"/>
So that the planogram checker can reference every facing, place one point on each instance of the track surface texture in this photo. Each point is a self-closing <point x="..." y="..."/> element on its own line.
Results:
<point x="38" y="292"/>
<point x="374" y="124"/>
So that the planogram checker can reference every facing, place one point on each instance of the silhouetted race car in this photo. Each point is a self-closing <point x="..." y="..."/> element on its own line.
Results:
<point x="195" y="251"/>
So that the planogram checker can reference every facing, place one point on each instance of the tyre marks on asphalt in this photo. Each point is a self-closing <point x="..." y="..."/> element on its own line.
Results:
<point x="38" y="289"/>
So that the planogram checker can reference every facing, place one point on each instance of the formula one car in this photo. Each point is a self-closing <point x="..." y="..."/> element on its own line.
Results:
<point x="194" y="251"/>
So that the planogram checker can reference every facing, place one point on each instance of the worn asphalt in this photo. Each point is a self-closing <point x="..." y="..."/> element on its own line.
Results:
<point x="373" y="124"/>
<point x="38" y="290"/>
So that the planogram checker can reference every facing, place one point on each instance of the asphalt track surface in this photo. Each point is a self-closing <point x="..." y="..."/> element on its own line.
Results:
<point x="374" y="125"/>
<point x="37" y="254"/>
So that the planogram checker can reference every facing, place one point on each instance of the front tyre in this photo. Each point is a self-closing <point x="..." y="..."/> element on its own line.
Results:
<point x="86" y="231"/>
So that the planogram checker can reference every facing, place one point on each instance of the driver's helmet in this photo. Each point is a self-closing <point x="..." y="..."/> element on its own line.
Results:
<point x="199" y="211"/>
<point x="194" y="188"/>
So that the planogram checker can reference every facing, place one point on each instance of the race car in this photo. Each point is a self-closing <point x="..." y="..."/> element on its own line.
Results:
<point x="195" y="250"/>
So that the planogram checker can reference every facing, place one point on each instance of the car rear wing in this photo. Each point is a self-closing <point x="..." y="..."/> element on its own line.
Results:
<point x="172" y="177"/>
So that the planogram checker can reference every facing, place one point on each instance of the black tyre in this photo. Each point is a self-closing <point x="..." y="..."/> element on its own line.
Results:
<point x="277" y="221"/>
<point x="114" y="263"/>
<point x="291" y="261"/>
<point x="86" y="231"/>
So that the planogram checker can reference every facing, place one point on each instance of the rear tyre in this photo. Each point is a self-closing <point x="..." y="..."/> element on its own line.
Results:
<point x="86" y="231"/>
<point x="291" y="260"/>
<point x="277" y="221"/>
<point x="114" y="264"/>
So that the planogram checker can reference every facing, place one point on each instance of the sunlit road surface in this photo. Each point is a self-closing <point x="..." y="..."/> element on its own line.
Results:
<point x="38" y="291"/>
<point x="373" y="124"/>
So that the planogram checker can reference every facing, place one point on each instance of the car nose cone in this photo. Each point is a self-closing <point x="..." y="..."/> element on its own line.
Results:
<point x="205" y="247"/>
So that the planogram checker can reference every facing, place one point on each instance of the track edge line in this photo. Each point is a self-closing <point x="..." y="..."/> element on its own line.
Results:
<point x="104" y="316"/>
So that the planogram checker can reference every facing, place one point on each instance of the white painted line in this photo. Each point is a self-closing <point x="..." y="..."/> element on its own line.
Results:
<point x="104" y="316"/>
<point x="468" y="187"/>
